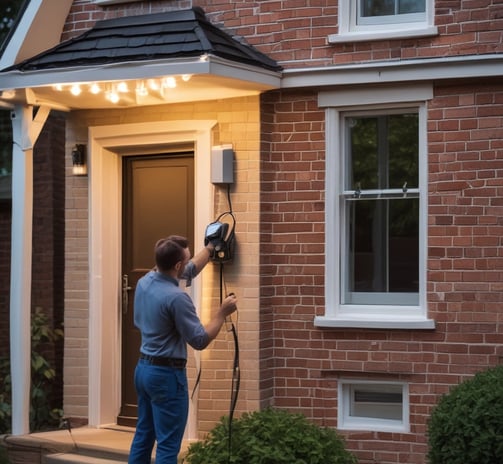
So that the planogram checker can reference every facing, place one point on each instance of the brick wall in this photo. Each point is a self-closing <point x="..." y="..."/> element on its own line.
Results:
<point x="238" y="124"/>
<point x="465" y="267"/>
<point x="300" y="365"/>
<point x="48" y="242"/>
<point x="5" y="229"/>
<point x="5" y="235"/>
<point x="84" y="13"/>
<point x="294" y="32"/>
<point x="48" y="233"/>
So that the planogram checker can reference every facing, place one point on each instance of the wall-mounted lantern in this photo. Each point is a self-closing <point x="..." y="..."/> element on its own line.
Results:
<point x="79" y="155"/>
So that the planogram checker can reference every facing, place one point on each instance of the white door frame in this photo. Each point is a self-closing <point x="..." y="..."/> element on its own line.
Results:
<point x="105" y="219"/>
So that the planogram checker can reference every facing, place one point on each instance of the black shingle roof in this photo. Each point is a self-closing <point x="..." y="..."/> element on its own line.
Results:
<point x="161" y="36"/>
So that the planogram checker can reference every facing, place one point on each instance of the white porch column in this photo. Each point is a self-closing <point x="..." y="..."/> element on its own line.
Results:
<point x="25" y="132"/>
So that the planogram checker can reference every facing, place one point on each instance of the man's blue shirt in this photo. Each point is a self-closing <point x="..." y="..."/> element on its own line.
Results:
<point x="166" y="316"/>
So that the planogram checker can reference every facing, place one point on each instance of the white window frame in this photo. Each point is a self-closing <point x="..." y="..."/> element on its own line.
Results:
<point x="337" y="104"/>
<point x="346" y="421"/>
<point x="355" y="297"/>
<point x="352" y="28"/>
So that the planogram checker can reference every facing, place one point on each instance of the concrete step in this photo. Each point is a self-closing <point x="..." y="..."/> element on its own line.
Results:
<point x="87" y="453"/>
<point x="72" y="458"/>
<point x="84" y="445"/>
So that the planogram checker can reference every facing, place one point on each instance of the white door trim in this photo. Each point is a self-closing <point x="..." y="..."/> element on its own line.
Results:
<point x="105" y="218"/>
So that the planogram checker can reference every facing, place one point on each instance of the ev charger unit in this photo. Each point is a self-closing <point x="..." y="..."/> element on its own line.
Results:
<point x="222" y="164"/>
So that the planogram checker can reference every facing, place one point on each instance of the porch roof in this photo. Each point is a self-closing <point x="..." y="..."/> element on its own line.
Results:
<point x="135" y="48"/>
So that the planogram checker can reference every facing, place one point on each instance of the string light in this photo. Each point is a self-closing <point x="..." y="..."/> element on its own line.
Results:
<point x="75" y="90"/>
<point x="116" y="89"/>
<point x="112" y="96"/>
<point x="169" y="82"/>
<point x="153" y="84"/>
<point x="95" y="88"/>
<point x="122" y="87"/>
<point x="141" y="90"/>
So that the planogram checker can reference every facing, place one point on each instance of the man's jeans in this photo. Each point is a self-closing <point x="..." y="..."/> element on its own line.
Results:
<point x="163" y="404"/>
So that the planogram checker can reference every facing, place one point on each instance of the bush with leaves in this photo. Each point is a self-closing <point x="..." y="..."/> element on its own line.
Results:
<point x="466" y="426"/>
<point x="4" y="459"/>
<point x="42" y="415"/>
<point x="5" y="396"/>
<point x="271" y="436"/>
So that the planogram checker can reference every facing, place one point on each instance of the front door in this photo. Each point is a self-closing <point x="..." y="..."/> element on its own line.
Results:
<point x="158" y="200"/>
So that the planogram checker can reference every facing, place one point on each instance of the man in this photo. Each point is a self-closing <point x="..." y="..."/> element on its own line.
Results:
<point x="167" y="320"/>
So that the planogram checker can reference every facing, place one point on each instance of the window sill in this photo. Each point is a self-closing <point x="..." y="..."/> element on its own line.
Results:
<point x="374" y="323"/>
<point x="382" y="35"/>
<point x="376" y="426"/>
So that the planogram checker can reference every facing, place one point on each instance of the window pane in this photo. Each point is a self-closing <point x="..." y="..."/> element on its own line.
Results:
<point x="378" y="7"/>
<point x="403" y="140"/>
<point x="383" y="246"/>
<point x="411" y="6"/>
<point x="371" y="8"/>
<point x="9" y="11"/>
<point x="383" y="152"/>
<point x="377" y="401"/>
<point x="363" y="157"/>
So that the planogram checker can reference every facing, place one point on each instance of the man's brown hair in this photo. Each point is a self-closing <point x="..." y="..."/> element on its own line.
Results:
<point x="169" y="251"/>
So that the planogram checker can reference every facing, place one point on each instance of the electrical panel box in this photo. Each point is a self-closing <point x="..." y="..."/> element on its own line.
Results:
<point x="222" y="164"/>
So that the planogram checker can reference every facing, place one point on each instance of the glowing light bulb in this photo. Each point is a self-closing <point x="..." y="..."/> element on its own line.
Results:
<point x="141" y="90"/>
<point x="75" y="90"/>
<point x="153" y="84"/>
<point x="170" y="82"/>
<point x="112" y="96"/>
<point x="122" y="87"/>
<point x="95" y="88"/>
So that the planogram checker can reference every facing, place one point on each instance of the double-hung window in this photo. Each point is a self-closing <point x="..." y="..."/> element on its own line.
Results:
<point x="380" y="208"/>
<point x="376" y="201"/>
<point x="384" y="19"/>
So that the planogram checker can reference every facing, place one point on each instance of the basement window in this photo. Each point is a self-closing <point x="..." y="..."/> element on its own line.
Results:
<point x="379" y="406"/>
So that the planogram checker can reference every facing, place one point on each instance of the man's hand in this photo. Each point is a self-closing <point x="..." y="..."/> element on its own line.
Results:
<point x="229" y="305"/>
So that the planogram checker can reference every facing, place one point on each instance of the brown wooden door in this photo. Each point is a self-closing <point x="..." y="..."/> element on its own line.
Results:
<point x="158" y="200"/>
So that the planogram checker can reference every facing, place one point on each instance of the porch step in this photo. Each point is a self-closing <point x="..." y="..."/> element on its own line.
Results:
<point x="83" y="445"/>
<point x="72" y="458"/>
<point x="92" y="446"/>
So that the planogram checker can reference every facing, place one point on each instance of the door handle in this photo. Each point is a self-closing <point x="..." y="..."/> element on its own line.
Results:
<point x="125" y="293"/>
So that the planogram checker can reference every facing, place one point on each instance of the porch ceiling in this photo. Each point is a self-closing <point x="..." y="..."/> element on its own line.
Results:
<point x="161" y="58"/>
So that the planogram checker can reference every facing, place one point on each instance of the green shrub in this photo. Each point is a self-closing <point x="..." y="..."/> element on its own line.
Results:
<point x="3" y="455"/>
<point x="42" y="415"/>
<point x="466" y="426"/>
<point x="5" y="396"/>
<point x="271" y="436"/>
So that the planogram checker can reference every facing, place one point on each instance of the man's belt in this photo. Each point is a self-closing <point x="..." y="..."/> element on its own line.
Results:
<point x="178" y="363"/>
